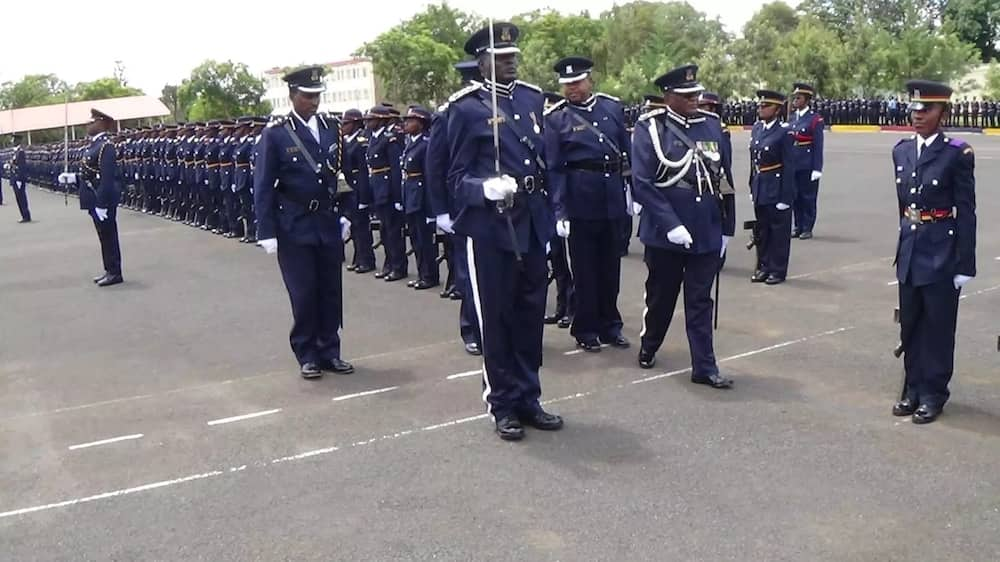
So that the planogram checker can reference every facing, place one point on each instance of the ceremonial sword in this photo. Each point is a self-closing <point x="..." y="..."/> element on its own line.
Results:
<point x="508" y="200"/>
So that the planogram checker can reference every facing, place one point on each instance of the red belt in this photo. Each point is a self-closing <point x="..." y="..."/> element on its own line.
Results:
<point x="926" y="215"/>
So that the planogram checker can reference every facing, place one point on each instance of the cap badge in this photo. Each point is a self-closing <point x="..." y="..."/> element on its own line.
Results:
<point x="690" y="75"/>
<point x="315" y="75"/>
<point x="569" y="68"/>
<point x="505" y="35"/>
<point x="916" y="94"/>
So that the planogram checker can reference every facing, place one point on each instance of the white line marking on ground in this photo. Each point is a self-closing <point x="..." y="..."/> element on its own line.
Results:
<point x="578" y="351"/>
<point x="749" y="353"/>
<point x="105" y="441"/>
<point x="892" y="283"/>
<point x="839" y="268"/>
<point x="980" y="292"/>
<point x="244" y="417"/>
<point x="465" y="374"/>
<point x="329" y="450"/>
<point x="366" y="393"/>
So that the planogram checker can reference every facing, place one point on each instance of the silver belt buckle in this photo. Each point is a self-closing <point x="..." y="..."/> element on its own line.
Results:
<point x="314" y="205"/>
<point x="913" y="215"/>
<point x="529" y="184"/>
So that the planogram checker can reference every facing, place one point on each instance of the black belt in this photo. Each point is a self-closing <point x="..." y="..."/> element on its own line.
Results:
<point x="311" y="205"/>
<point x="530" y="184"/>
<point x="606" y="167"/>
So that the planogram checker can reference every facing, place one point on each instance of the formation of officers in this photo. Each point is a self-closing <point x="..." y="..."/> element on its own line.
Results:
<point x="512" y="179"/>
<point x="882" y="111"/>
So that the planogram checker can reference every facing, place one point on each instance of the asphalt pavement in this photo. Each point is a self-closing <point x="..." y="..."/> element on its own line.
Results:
<point x="164" y="419"/>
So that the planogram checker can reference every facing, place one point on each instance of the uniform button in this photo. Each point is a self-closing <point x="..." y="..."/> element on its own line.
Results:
<point x="934" y="182"/>
<point x="606" y="157"/>
<point x="527" y="162"/>
<point x="697" y="199"/>
<point x="595" y="123"/>
<point x="913" y="190"/>
<point x="517" y="117"/>
<point x="899" y="180"/>
<point x="601" y="139"/>
<point x="913" y="205"/>
<point x="319" y="181"/>
<point x="914" y="174"/>
<point x="951" y="233"/>
<point x="899" y="168"/>
<point x="913" y="227"/>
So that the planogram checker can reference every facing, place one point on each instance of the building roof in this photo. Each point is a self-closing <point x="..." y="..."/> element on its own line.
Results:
<point x="78" y="113"/>
<point x="335" y="64"/>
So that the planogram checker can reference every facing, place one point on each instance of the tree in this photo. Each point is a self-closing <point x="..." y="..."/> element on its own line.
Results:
<point x="102" y="89"/>
<point x="720" y="71"/>
<point x="844" y="16"/>
<point x="169" y="98"/>
<point x="976" y="22"/>
<point x="814" y="53"/>
<point x="992" y="87"/>
<point x="219" y="90"/>
<point x="630" y="84"/>
<point x="758" y="49"/>
<point x="548" y="36"/>
<point x="413" y="67"/>
<point x="33" y="90"/>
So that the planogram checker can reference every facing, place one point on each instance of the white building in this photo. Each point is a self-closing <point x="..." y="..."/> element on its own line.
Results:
<point x="349" y="84"/>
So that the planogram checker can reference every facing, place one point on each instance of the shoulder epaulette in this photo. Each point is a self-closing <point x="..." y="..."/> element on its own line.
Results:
<point x="558" y="105"/>
<point x="959" y="144"/>
<point x="905" y="139"/>
<point x="361" y="140"/>
<point x="607" y="96"/>
<point x="785" y="125"/>
<point x="710" y="114"/>
<point x="277" y="121"/>
<point x="650" y="114"/>
<point x="463" y="92"/>
<point x="531" y="86"/>
<point x="443" y="107"/>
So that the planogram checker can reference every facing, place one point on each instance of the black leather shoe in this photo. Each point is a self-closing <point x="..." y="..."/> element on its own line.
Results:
<point x="552" y="318"/>
<point x="412" y="283"/>
<point x="774" y="280"/>
<point x="364" y="269"/>
<point x="543" y="420"/>
<point x="904" y="407"/>
<point x="381" y="274"/>
<point x="714" y="381"/>
<point x="795" y="234"/>
<point x="565" y="322"/>
<point x="925" y="414"/>
<point x="311" y="371"/>
<point x="456" y="296"/>
<point x="805" y="236"/>
<point x="510" y="429"/>
<point x="109" y="280"/>
<point x="394" y="276"/>
<point x="758" y="277"/>
<point x="897" y="351"/>
<point x="424" y="285"/>
<point x="647" y="359"/>
<point x="472" y="348"/>
<point x="590" y="346"/>
<point x="22" y="221"/>
<point x="619" y="341"/>
<point x="351" y="267"/>
<point x="99" y="277"/>
<point x="337" y="366"/>
<point x="446" y="292"/>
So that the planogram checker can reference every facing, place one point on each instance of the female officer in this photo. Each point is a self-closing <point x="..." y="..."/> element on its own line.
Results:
<point x="936" y="252"/>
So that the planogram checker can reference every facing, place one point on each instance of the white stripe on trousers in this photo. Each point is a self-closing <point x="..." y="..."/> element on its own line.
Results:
<point x="474" y="282"/>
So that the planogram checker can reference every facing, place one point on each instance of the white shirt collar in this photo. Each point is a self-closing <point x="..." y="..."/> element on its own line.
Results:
<point x="802" y="111"/>
<point x="311" y="123"/>
<point x="378" y="132"/>
<point x="924" y="143"/>
<point x="100" y="135"/>
<point x="769" y="124"/>
<point x="352" y="136"/>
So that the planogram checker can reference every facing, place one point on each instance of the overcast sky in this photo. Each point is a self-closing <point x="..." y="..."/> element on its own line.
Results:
<point x="161" y="42"/>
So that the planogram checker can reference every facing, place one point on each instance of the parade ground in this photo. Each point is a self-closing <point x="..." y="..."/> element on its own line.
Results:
<point x="165" y="418"/>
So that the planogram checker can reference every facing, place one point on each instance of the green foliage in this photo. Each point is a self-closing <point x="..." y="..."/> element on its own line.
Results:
<point x="33" y="90"/>
<point x="992" y="87"/>
<point x="102" y="89"/>
<point x="221" y="90"/>
<point x="976" y="22"/>
<point x="549" y="36"/>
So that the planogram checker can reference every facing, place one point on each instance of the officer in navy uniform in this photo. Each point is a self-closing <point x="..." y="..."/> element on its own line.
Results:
<point x="444" y="205"/>
<point x="587" y="152"/>
<point x="356" y="175"/>
<point x="19" y="180"/>
<point x="936" y="251"/>
<point x="295" y="186"/>
<point x="687" y="219"/>
<point x="385" y="180"/>
<point x="508" y="219"/>
<point x="772" y="186"/>
<point x="565" y="309"/>
<point x="807" y="128"/>
<point x="420" y="220"/>
<point x="100" y="192"/>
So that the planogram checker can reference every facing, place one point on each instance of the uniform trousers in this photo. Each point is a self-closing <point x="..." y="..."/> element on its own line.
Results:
<point x="422" y="242"/>
<point x="774" y="230"/>
<point x="361" y="237"/>
<point x="468" y="322"/>
<point x="806" y="196"/>
<point x="391" y="232"/>
<point x="313" y="278"/>
<point x="20" y="188"/>
<point x="595" y="260"/>
<point x="928" y="316"/>
<point x="510" y="305"/>
<point x="668" y="272"/>
<point x="107" y="234"/>
<point x="561" y="274"/>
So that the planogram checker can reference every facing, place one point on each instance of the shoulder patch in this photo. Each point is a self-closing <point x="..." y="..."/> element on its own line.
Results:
<point x="957" y="143"/>
<point x="558" y="105"/>
<point x="607" y="96"/>
<point x="462" y="93"/>
<point x="443" y="107"/>
<point x="650" y="114"/>
<point x="531" y="86"/>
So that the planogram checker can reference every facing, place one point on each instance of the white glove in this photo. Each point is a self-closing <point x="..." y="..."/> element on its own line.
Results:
<point x="548" y="248"/>
<point x="345" y="229"/>
<point x="815" y="175"/>
<point x="961" y="280"/>
<point x="445" y="223"/>
<point x="496" y="189"/>
<point x="430" y="220"/>
<point x="270" y="245"/>
<point x="136" y="176"/>
<point x="782" y="207"/>
<point x="362" y="206"/>
<point x="636" y="208"/>
<point x="398" y="207"/>
<point x="562" y="228"/>
<point x="233" y="187"/>
<point x="680" y="235"/>
<point x="725" y="244"/>
<point x="102" y="214"/>
<point x="67" y="178"/>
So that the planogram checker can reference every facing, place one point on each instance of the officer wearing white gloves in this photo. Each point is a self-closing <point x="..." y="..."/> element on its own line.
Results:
<point x="100" y="194"/>
<point x="807" y="130"/>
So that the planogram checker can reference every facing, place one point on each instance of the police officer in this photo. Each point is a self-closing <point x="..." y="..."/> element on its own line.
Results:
<point x="807" y="129"/>
<point x="241" y="187"/>
<point x="936" y="252"/>
<point x="385" y="180"/>
<point x="565" y="309"/>
<point x="356" y="176"/>
<point x="19" y="180"/>
<point x="772" y="187"/>
<point x="587" y="152"/>
<point x="686" y="222"/>
<point x="420" y="220"/>
<point x="444" y="205"/>
<point x="507" y="216"/>
<point x="100" y="193"/>
<point x="298" y="217"/>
